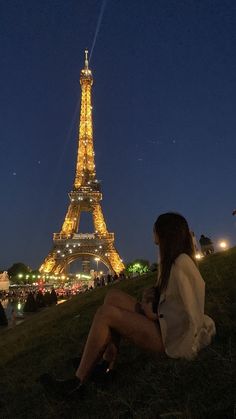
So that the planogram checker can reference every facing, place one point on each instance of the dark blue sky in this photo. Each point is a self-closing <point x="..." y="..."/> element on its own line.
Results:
<point x="164" y="101"/>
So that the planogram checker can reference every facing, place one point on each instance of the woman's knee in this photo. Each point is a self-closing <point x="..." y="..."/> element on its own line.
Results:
<point x="104" y="311"/>
<point x="112" y="296"/>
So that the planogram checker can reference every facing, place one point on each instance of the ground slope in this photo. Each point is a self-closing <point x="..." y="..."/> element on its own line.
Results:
<point x="146" y="386"/>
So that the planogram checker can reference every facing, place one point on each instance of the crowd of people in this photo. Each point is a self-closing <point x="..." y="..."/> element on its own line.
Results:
<point x="27" y="299"/>
<point x="16" y="302"/>
<point x="102" y="281"/>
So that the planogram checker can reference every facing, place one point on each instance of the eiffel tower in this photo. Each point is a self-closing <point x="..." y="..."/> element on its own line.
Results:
<point x="70" y="245"/>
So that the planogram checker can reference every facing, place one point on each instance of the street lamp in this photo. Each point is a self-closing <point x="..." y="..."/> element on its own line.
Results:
<point x="223" y="244"/>
<point x="97" y="260"/>
<point x="198" y="255"/>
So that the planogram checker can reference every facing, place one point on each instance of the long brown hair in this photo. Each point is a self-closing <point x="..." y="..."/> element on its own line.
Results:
<point x="174" y="238"/>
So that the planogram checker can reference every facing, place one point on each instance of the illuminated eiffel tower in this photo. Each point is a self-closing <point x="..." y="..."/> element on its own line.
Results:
<point x="70" y="245"/>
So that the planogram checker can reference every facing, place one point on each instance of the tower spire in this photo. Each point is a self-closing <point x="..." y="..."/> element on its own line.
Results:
<point x="85" y="167"/>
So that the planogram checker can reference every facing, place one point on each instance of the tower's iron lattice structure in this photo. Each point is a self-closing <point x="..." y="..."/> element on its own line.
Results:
<point x="69" y="244"/>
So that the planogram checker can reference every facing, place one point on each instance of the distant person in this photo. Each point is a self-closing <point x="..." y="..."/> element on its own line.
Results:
<point x="11" y="314"/>
<point x="169" y="320"/>
<point x="115" y="277"/>
<point x="53" y="296"/>
<point x="108" y="278"/>
<point x="40" y="299"/>
<point x="30" y="304"/>
<point x="206" y="245"/>
<point x="3" y="317"/>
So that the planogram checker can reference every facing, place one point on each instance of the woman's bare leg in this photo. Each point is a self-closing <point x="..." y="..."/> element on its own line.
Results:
<point x="120" y="299"/>
<point x="137" y="328"/>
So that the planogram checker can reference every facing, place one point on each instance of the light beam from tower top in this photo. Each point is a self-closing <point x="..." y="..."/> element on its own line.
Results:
<point x="86" y="73"/>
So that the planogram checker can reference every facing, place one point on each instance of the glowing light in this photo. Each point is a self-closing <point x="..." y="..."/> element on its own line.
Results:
<point x="137" y="265"/>
<point x="85" y="276"/>
<point x="198" y="255"/>
<point x="223" y="244"/>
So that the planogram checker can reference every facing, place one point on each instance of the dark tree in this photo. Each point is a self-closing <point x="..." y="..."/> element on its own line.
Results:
<point x="18" y="269"/>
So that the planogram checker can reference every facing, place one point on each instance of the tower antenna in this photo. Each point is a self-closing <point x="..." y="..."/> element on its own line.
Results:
<point x="86" y="59"/>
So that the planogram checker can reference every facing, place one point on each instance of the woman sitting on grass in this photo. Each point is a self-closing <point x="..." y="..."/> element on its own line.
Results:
<point x="170" y="319"/>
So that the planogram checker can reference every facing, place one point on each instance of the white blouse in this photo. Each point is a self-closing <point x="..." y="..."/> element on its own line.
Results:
<point x="184" y="327"/>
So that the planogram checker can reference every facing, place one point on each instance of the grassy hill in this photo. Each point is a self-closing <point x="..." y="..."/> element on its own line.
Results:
<point x="146" y="386"/>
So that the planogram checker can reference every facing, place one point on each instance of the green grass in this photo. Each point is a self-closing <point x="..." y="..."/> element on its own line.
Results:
<point x="147" y="386"/>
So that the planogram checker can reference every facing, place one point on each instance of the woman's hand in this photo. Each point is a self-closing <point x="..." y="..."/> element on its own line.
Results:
<point x="147" y="308"/>
<point x="148" y="295"/>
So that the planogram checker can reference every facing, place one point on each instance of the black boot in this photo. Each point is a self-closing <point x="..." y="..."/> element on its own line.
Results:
<point x="61" y="389"/>
<point x="98" y="372"/>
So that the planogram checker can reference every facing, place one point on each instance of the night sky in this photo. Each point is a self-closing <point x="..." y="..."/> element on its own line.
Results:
<point x="164" y="100"/>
